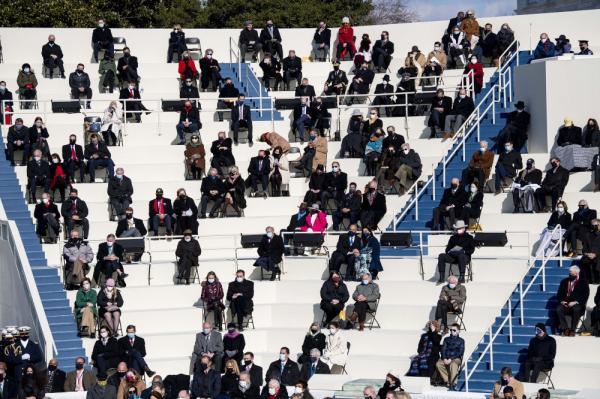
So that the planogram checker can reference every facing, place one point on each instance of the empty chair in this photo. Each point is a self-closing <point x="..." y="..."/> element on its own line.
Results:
<point x="194" y="47"/>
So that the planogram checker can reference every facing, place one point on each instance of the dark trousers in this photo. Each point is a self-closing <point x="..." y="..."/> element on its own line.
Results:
<point x="136" y="361"/>
<point x="575" y="232"/>
<point x="468" y="213"/>
<point x="34" y="181"/>
<point x="441" y="311"/>
<point x="193" y="127"/>
<point x="218" y="200"/>
<point x="12" y="147"/>
<point x="470" y="174"/>
<point x="381" y="59"/>
<point x="596" y="321"/>
<point x="109" y="136"/>
<point x="84" y="223"/>
<point x="52" y="63"/>
<point x="501" y="173"/>
<point x="331" y="310"/>
<point x="575" y="312"/>
<point x="166" y="221"/>
<point x="103" y="363"/>
<point x="186" y="222"/>
<point x="361" y="309"/>
<point x="87" y="92"/>
<point x="105" y="162"/>
<point x="235" y="126"/>
<point x="288" y="75"/>
<point x="326" y="195"/>
<point x="48" y="226"/>
<point x="338" y="259"/>
<point x="540" y="196"/>
<point x="109" y="48"/>
<point x="255" y="50"/>
<point x="212" y="77"/>
<point x="119" y="205"/>
<point x="239" y="309"/>
<point x="178" y="47"/>
<point x="338" y="217"/>
<point x="439" y="213"/>
<point x="340" y="49"/>
<point x="589" y="269"/>
<point x="273" y="48"/>
<point x="461" y="259"/>
<point x="263" y="179"/>
<point x="533" y="367"/>
<point x="70" y="166"/>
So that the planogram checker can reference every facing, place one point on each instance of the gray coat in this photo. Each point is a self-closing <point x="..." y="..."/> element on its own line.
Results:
<point x="370" y="291"/>
<point x="214" y="344"/>
<point x="84" y="252"/>
<point x="458" y="294"/>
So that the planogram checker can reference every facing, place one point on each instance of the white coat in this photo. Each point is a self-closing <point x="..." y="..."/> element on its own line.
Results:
<point x="284" y="168"/>
<point x="336" y="349"/>
<point x="112" y="118"/>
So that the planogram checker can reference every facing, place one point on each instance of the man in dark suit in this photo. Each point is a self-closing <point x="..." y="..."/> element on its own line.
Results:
<point x="209" y="71"/>
<point x="246" y="388"/>
<point x="127" y="67"/>
<point x="383" y="95"/>
<point x="393" y="139"/>
<point x="239" y="294"/>
<point x="241" y="116"/>
<point x="188" y="90"/>
<point x="362" y="80"/>
<point x="55" y="377"/>
<point x="102" y="38"/>
<point x="249" y="40"/>
<point x="305" y="90"/>
<point x="108" y="260"/>
<point x="130" y="226"/>
<point x="507" y="165"/>
<point x="18" y="138"/>
<point x="97" y="154"/>
<point x="515" y="130"/>
<point x="540" y="354"/>
<point x="270" y="252"/>
<point x="344" y="251"/>
<point x="72" y="156"/>
<point x="38" y="174"/>
<point x="382" y="52"/>
<point x="227" y="94"/>
<point x="572" y="296"/>
<point x="221" y="150"/>
<point x="336" y="81"/>
<point x="581" y="226"/>
<point x="132" y="349"/>
<point x="9" y="388"/>
<point x="314" y="365"/>
<point x="554" y="184"/>
<point x="255" y="371"/>
<point x="271" y="39"/>
<point x="440" y="107"/>
<point x="284" y="369"/>
<point x="160" y="211"/>
<point x="321" y="41"/>
<point x="53" y="57"/>
<point x="212" y="189"/>
<point x="302" y="117"/>
<point x="298" y="219"/>
<point x="75" y="211"/>
<point x="373" y="206"/>
<point x="349" y="207"/>
<point x="590" y="258"/>
<point x="292" y="68"/>
<point x="320" y="116"/>
<point x="47" y="219"/>
<point x="461" y="109"/>
<point x="258" y="170"/>
<point x="334" y="186"/>
<point x="459" y="250"/>
<point x="189" y="120"/>
<point x="120" y="190"/>
<point x="451" y="204"/>
<point x="134" y="104"/>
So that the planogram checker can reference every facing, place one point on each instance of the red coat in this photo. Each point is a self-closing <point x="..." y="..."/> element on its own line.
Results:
<point x="320" y="223"/>
<point x="189" y="64"/>
<point x="477" y="72"/>
<point x="346" y="35"/>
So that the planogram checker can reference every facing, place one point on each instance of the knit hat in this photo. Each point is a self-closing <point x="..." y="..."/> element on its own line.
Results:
<point x="541" y="326"/>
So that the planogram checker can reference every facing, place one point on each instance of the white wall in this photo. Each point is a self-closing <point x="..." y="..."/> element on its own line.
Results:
<point x="555" y="89"/>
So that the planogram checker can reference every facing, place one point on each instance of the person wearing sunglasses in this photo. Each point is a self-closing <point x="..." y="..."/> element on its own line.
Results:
<point x="209" y="72"/>
<point x="452" y="353"/>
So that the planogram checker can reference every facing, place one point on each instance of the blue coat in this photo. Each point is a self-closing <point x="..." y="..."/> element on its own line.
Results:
<point x="453" y="348"/>
<point x="376" y="250"/>
<point x="544" y="50"/>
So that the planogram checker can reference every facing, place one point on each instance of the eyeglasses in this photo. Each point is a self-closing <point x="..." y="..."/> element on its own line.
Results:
<point x="208" y="53"/>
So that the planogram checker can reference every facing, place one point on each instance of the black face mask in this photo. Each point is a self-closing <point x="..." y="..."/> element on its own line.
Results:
<point x="52" y="367"/>
<point x="182" y="196"/>
<point x="454" y="186"/>
<point x="121" y="374"/>
<point x="129" y="215"/>
<point x="247" y="362"/>
<point x="72" y="141"/>
<point x="79" y="366"/>
<point x="158" y="196"/>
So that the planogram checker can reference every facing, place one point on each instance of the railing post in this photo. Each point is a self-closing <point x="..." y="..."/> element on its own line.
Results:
<point x="544" y="276"/>
<point x="433" y="181"/>
<point x="560" y="252"/>
<point x="493" y="113"/>
<point x="444" y="172"/>
<point x="510" y="329"/>
<point x="464" y="150"/>
<point x="466" y="375"/>
<point x="478" y="124"/>
<point x="491" y="349"/>
<point x="416" y="202"/>
<point x="521" y="302"/>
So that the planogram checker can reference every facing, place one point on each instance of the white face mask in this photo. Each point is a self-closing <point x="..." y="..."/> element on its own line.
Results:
<point x="211" y="280"/>
<point x="243" y="384"/>
<point x="474" y="60"/>
<point x="473" y="189"/>
<point x="86" y="286"/>
<point x="406" y="151"/>
<point x="462" y="96"/>
<point x="109" y="289"/>
<point x="45" y="200"/>
<point x="239" y="279"/>
<point x="436" y="48"/>
<point x="451" y="286"/>
<point x="282" y="357"/>
<point x="298" y="390"/>
<point x="104" y="334"/>
<point x="109" y="243"/>
<point x="37" y="159"/>
<point x="54" y="160"/>
<point x="335" y="168"/>
<point x="272" y="391"/>
<point x="270" y="234"/>
<point x="101" y="25"/>
<point x="26" y="70"/>
<point x="560" y="210"/>
<point x="187" y="238"/>
<point x="332" y="331"/>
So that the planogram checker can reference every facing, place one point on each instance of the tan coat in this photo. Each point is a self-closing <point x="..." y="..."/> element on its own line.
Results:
<point x="516" y="385"/>
<point x="483" y="161"/>
<point x="321" y="152"/>
<point x="470" y="26"/>
<point x="441" y="57"/>
<point x="419" y="59"/>
<point x="23" y="80"/>
<point x="196" y="155"/>
<point x="277" y="140"/>
<point x="124" y="387"/>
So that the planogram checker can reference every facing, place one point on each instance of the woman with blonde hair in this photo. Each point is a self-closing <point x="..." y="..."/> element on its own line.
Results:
<point x="231" y="378"/>
<point x="428" y="351"/>
<point x="212" y="297"/>
<point x="235" y="189"/>
<point x="112" y="121"/>
<point x="132" y="383"/>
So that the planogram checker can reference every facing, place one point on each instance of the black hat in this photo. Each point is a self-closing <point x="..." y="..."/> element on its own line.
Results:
<point x="414" y="49"/>
<point x="530" y="161"/>
<point x="541" y="326"/>
<point x="562" y="37"/>
<point x="520" y="105"/>
<point x="386" y="77"/>
<point x="583" y="41"/>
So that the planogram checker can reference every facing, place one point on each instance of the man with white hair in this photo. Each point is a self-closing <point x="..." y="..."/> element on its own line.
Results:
<point x="369" y="392"/>
<point x="38" y="174"/>
<point x="479" y="166"/>
<point x="245" y="389"/>
<point x="452" y="297"/>
<point x="183" y="394"/>
<point x="572" y="297"/>
<point x="314" y="365"/>
<point x="119" y="192"/>
<point x="461" y="109"/>
<point x="273" y="390"/>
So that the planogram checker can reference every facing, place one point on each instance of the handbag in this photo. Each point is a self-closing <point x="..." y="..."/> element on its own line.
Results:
<point x="342" y="314"/>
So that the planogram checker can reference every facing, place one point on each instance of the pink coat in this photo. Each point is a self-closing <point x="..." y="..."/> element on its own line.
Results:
<point x="319" y="225"/>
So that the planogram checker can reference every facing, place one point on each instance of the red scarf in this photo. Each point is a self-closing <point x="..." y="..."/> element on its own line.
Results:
<point x="59" y="172"/>
<point x="159" y="206"/>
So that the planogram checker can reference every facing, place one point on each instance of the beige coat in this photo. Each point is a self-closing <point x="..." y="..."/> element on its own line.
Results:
<point x="336" y="349"/>
<point x="470" y="26"/>
<point x="419" y="59"/>
<point x="124" y="387"/>
<point x="277" y="140"/>
<point x="284" y="168"/>
<point x="516" y="385"/>
<point x="441" y="57"/>
<point x="321" y="152"/>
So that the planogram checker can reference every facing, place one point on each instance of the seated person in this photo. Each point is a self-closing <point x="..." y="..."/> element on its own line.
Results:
<point x="27" y="83"/>
<point x="569" y="134"/>
<point x="368" y="258"/>
<point x="102" y="39"/>
<point x="334" y="185"/>
<point x="428" y="351"/>
<point x="77" y="254"/>
<point x="365" y="298"/>
<point x="506" y="384"/>
<point x="352" y="146"/>
<point x="321" y="42"/>
<point x="80" y="84"/>
<point x="132" y="350"/>
<point x="508" y="163"/>
<point x="453" y="350"/>
<point x="249" y="41"/>
<point x="549" y="237"/>
<point x="108" y="261"/>
<point x="160" y="212"/>
<point x="279" y="176"/>
<point x="292" y="68"/>
<point x="222" y="153"/>
<point x="479" y="167"/>
<point x="371" y="126"/>
<point x="212" y="298"/>
<point x="186" y="213"/>
<point x="554" y="184"/>
<point x="526" y="182"/>
<point x="313" y="365"/>
<point x="120" y="190"/>
<point x="73" y="158"/>
<point x="335" y="353"/>
<point x="235" y="191"/>
<point x="314" y="339"/>
<point x="334" y="295"/>
<point x="364" y="53"/>
<point x="241" y="116"/>
<point x="409" y="169"/>
<point x="591" y="134"/>
<point x="384" y="92"/>
<point x="206" y="379"/>
<point x="209" y="68"/>
<point x="436" y="63"/>
<point x="584" y="48"/>
<point x="127" y="67"/>
<point x="515" y="130"/>
<point x="176" y="43"/>
<point x="361" y="82"/>
<point x="302" y="117"/>
<point x="85" y="309"/>
<point x="110" y="303"/>
<point x="132" y="101"/>
<point x="581" y="226"/>
<point x="382" y="52"/>
<point x="405" y="96"/>
<point x="452" y="297"/>
<point x="316" y="220"/>
<point x="130" y="226"/>
<point x="258" y="171"/>
<point x="188" y="250"/>
<point x="59" y="178"/>
<point x="112" y="121"/>
<point x="194" y="157"/>
<point x="451" y="205"/>
<point x="461" y="109"/>
<point x="189" y="120"/>
<point x="305" y="90"/>
<point x="389" y="166"/>
<point x="271" y="69"/>
<point x="107" y="69"/>
<point x="38" y="174"/>
<point x="38" y="138"/>
<point x="472" y="208"/>
<point x="459" y="250"/>
<point x="75" y="212"/>
<point x="474" y="73"/>
<point x="212" y="189"/>
<point x="458" y="47"/>
<point x="53" y="57"/>
<point x="572" y="296"/>
<point x="239" y="294"/>
<point x="545" y="48"/>
<point x="336" y="81"/>
<point x="97" y="154"/>
<point x="6" y="99"/>
<point x="373" y="206"/>
<point x="18" y="139"/>
<point x="345" y="251"/>
<point x="227" y="97"/>
<point x="349" y="207"/>
<point x="297" y="220"/>
<point x="346" y="39"/>
<point x="105" y="354"/>
<point x="540" y="354"/>
<point x="596" y="314"/>
<point x="47" y="219"/>
<point x="441" y="105"/>
<point x="591" y="253"/>
<point x="373" y="151"/>
<point x="187" y="68"/>
<point x="315" y="152"/>
<point x="270" y="252"/>
<point x="188" y="90"/>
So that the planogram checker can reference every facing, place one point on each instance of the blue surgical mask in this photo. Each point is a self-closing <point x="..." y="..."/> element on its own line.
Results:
<point x="451" y="286"/>
<point x="365" y="282"/>
<point x="131" y="335"/>
<point x="120" y="177"/>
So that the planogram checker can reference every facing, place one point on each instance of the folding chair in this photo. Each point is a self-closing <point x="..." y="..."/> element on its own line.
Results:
<point x="205" y="313"/>
<point x="262" y="272"/>
<point x="468" y="270"/>
<point x="119" y="44"/>
<point x="548" y="378"/>
<point x="193" y="46"/>
<point x="194" y="274"/>
<point x="348" y="344"/>
<point x="459" y="314"/>
<point x="248" y="319"/>
<point x="373" y="323"/>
